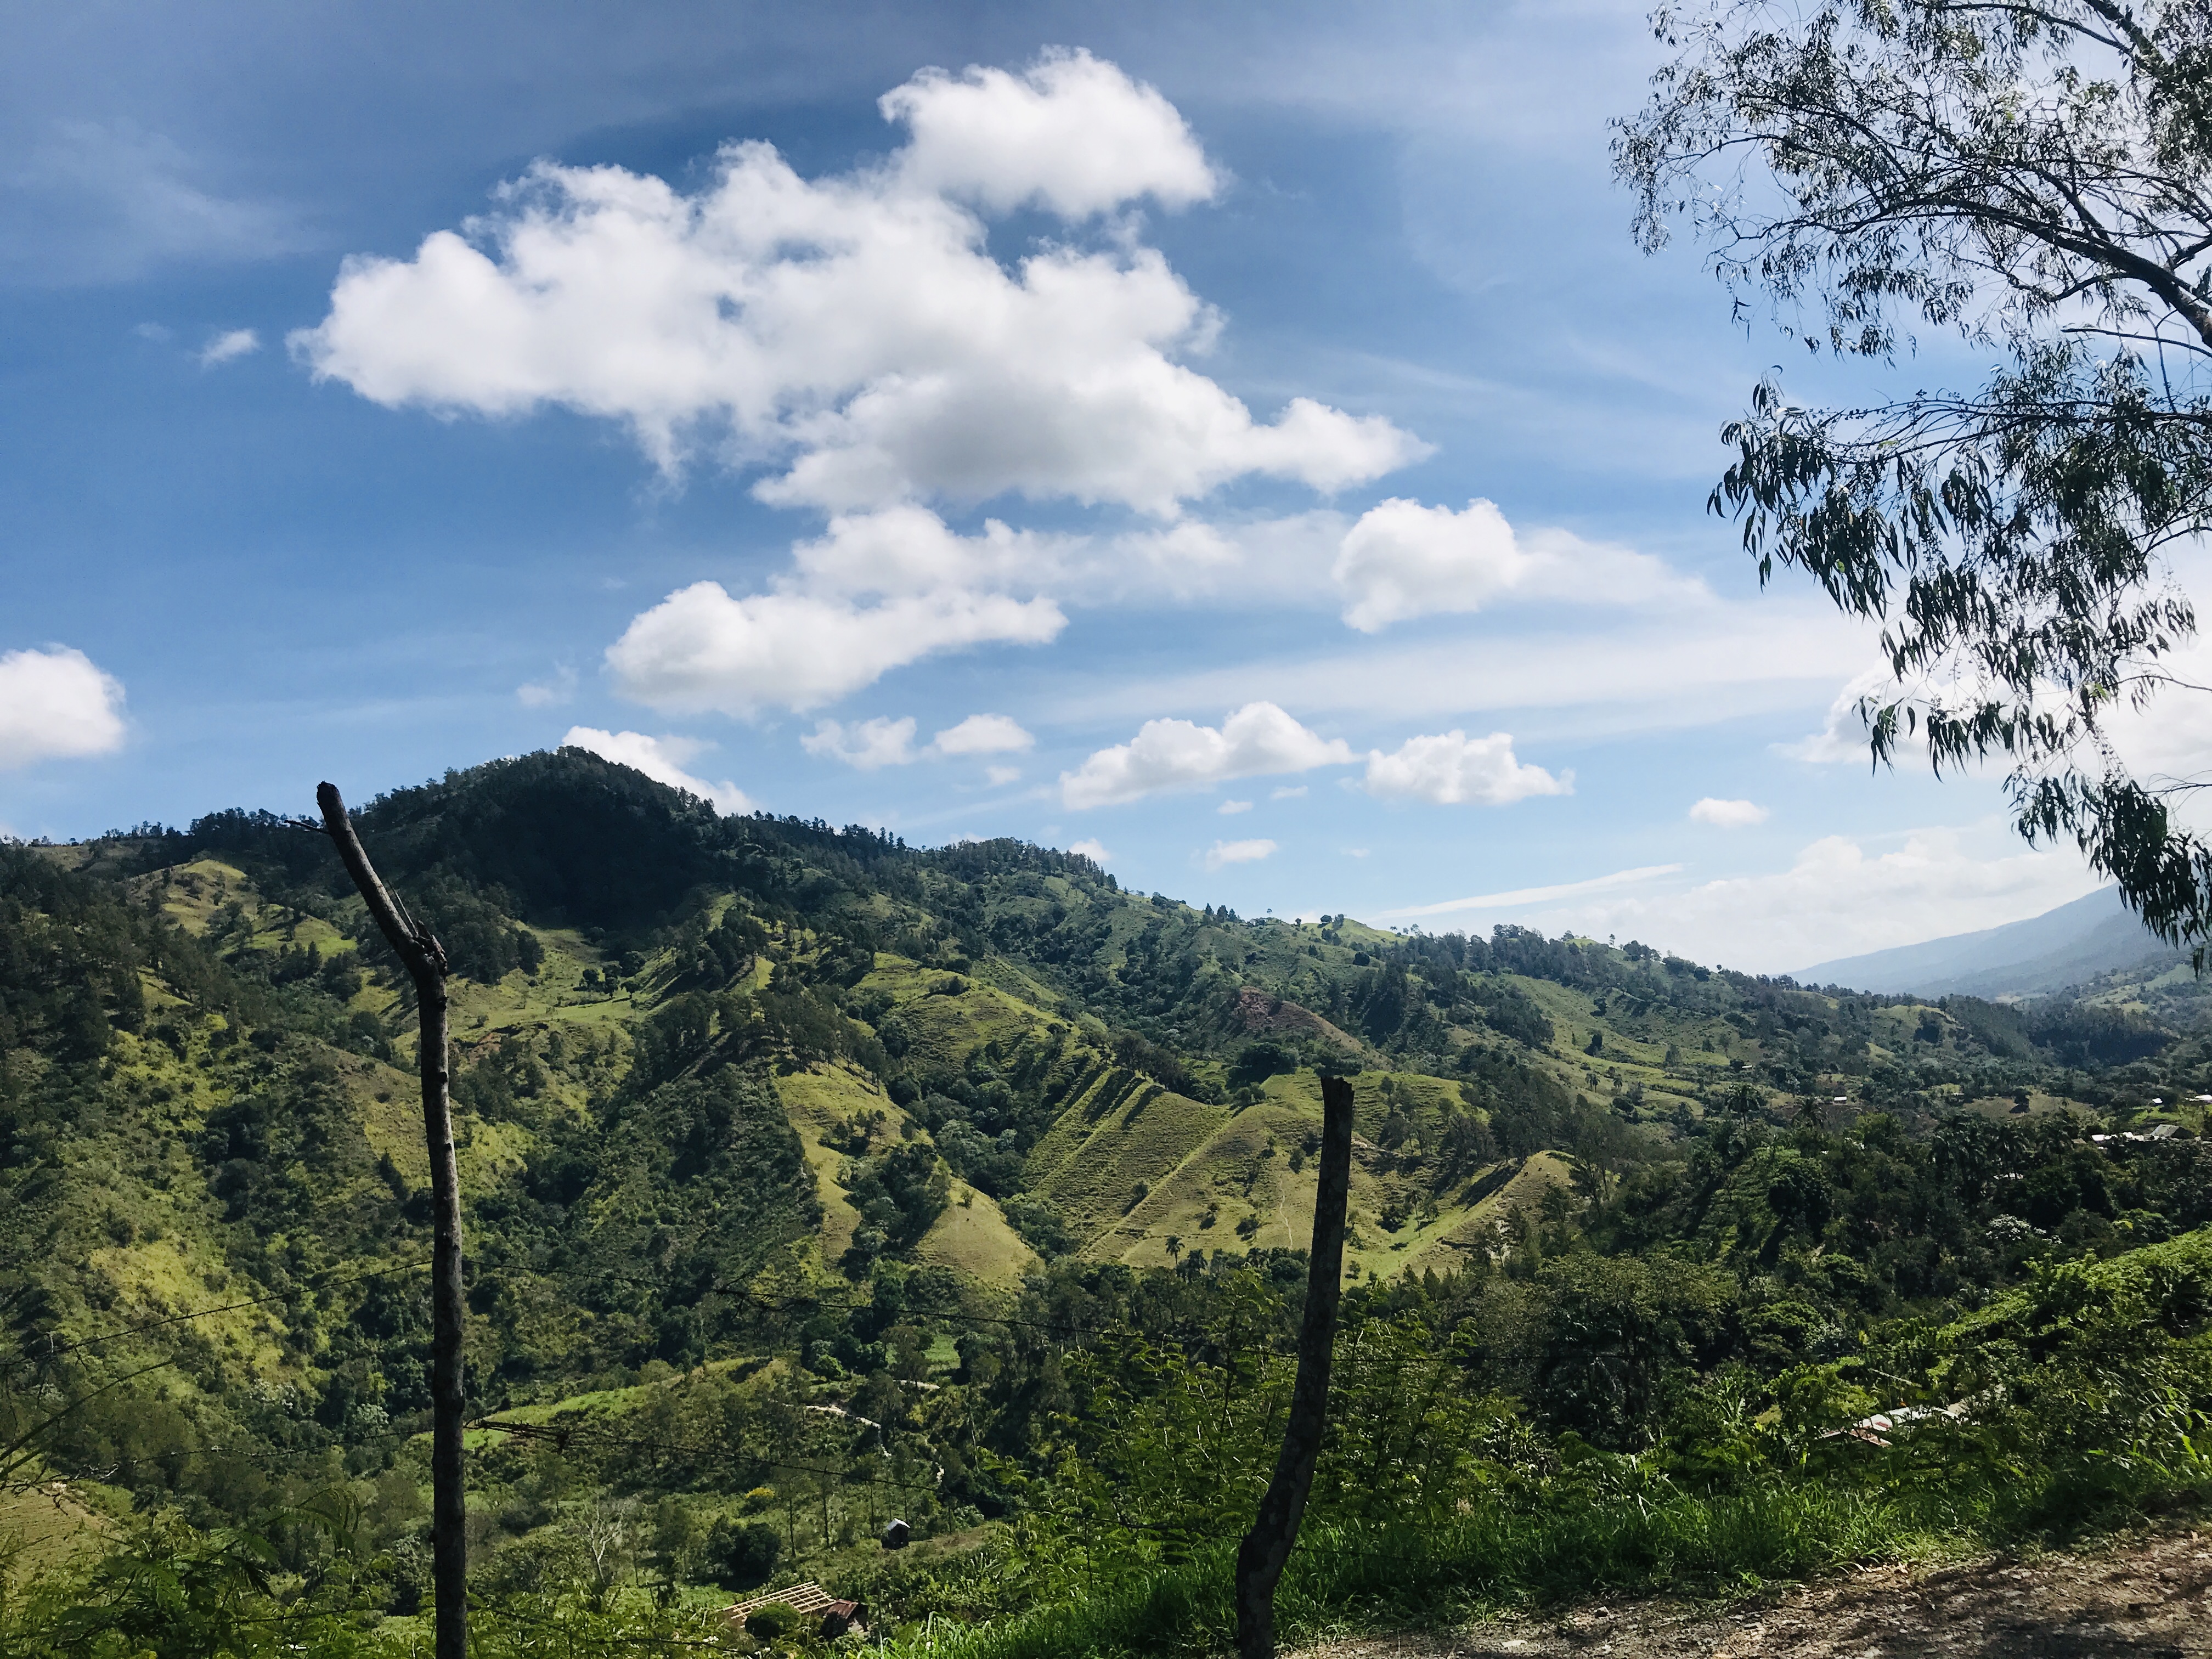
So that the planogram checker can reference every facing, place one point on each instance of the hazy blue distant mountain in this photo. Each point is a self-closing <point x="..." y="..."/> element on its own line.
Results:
<point x="2062" y="947"/>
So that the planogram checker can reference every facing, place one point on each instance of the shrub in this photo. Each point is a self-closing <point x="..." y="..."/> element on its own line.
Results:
<point x="743" y="1553"/>
<point x="772" y="1623"/>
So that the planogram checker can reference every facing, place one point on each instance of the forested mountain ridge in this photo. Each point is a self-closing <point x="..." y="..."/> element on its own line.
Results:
<point x="737" y="1092"/>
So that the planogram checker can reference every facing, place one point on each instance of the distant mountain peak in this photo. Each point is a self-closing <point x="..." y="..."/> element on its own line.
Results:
<point x="2078" y="940"/>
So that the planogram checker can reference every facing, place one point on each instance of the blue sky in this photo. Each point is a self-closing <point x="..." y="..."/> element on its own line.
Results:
<point x="1057" y="422"/>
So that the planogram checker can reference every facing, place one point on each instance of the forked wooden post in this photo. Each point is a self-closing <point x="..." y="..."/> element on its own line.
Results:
<point x="1267" y="1549"/>
<point x="425" y="959"/>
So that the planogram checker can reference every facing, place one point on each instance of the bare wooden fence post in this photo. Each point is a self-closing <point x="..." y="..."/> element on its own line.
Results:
<point x="425" y="960"/>
<point x="1267" y="1549"/>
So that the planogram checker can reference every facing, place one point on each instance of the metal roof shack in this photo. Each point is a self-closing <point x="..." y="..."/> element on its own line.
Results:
<point x="2157" y="1131"/>
<point x="809" y="1600"/>
<point x="1875" y="1431"/>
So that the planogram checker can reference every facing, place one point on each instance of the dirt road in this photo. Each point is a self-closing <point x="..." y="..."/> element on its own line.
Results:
<point x="2146" y="1596"/>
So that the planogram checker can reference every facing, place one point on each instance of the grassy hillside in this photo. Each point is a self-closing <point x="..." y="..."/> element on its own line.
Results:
<point x="822" y="1149"/>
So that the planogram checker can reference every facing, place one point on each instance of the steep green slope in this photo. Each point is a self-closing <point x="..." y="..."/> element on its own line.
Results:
<point x="712" y="1072"/>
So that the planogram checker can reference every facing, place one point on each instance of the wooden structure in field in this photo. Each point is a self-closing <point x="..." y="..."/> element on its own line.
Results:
<point x="810" y="1602"/>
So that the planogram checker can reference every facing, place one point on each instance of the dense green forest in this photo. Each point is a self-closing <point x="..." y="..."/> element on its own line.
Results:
<point x="813" y="1180"/>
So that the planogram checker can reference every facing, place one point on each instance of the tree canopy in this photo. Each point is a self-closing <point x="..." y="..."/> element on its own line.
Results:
<point x="2038" y="178"/>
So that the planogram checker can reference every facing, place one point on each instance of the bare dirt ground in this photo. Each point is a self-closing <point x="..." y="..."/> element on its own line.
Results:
<point x="2148" y="1596"/>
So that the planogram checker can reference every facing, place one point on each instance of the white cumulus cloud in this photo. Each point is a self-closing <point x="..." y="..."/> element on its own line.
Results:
<point x="1402" y="560"/>
<point x="57" y="704"/>
<point x="855" y="330"/>
<point x="875" y="592"/>
<point x="983" y="734"/>
<point x="901" y="551"/>
<point x="1450" y="767"/>
<point x="1238" y="852"/>
<point x="661" y="759"/>
<point x="1093" y="849"/>
<point x="1074" y="136"/>
<point x="229" y="347"/>
<point x="1727" y="814"/>
<point x="1230" y="808"/>
<point x="1176" y="754"/>
<point x="866" y="744"/>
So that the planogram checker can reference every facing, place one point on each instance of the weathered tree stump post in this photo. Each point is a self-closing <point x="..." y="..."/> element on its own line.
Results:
<point x="1267" y="1549"/>
<point x="425" y="960"/>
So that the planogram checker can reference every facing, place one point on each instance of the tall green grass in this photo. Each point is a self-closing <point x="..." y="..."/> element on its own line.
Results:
<point x="1574" y="1544"/>
<point x="1344" y="1578"/>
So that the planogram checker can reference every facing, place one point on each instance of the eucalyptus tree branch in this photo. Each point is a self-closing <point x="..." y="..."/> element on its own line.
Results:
<point x="2038" y="175"/>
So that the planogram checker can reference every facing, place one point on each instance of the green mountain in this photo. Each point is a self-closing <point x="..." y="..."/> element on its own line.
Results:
<point x="734" y="1088"/>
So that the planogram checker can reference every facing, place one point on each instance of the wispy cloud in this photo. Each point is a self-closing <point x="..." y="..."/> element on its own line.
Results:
<point x="110" y="201"/>
<point x="1840" y="896"/>
<point x="229" y="347"/>
<point x="1238" y="852"/>
<point x="1657" y="673"/>
<point x="871" y="743"/>
<point x="1521" y="895"/>
<point x="984" y="734"/>
<point x="864" y="745"/>
<point x="545" y="693"/>
<point x="1727" y="814"/>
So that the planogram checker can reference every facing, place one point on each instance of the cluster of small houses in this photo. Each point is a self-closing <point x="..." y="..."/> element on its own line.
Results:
<point x="2157" y="1132"/>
